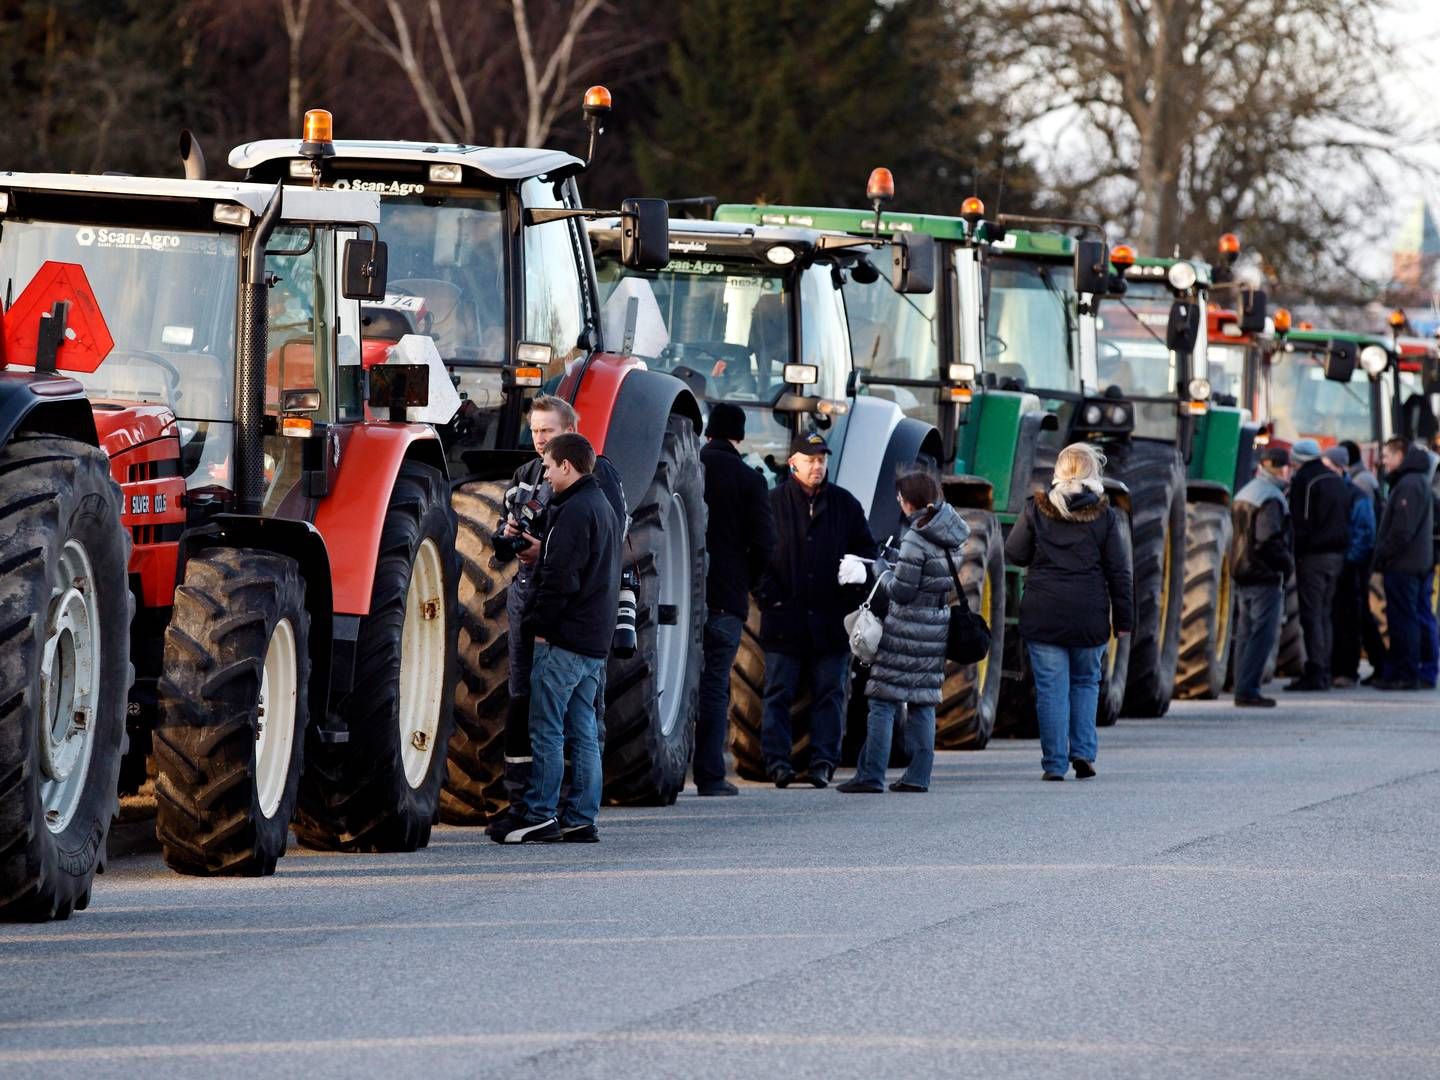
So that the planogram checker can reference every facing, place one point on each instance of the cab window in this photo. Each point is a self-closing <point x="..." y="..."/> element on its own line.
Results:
<point x="554" y="289"/>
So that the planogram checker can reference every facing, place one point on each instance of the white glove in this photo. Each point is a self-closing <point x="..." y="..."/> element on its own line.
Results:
<point x="852" y="570"/>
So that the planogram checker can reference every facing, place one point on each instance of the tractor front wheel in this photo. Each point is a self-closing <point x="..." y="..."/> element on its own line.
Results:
<point x="971" y="693"/>
<point x="380" y="791"/>
<point x="1209" y="607"/>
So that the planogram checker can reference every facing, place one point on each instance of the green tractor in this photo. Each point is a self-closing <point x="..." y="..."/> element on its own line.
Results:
<point x="1002" y="360"/>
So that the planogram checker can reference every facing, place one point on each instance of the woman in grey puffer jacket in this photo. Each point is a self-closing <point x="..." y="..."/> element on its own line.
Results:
<point x="909" y="670"/>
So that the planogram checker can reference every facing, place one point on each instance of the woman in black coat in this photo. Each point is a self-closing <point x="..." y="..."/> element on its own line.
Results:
<point x="1077" y="591"/>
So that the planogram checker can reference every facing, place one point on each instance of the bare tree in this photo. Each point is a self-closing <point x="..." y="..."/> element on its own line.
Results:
<point x="296" y="15"/>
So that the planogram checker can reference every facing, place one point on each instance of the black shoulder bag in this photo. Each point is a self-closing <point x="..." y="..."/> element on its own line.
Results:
<point x="968" y="641"/>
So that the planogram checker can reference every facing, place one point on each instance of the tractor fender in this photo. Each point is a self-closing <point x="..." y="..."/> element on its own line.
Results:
<point x="1118" y="492"/>
<point x="878" y="438"/>
<point x="1245" y="453"/>
<point x="298" y="540"/>
<point x="623" y="410"/>
<point x="1207" y="491"/>
<point x="351" y="517"/>
<point x="45" y="403"/>
<point x="1029" y="425"/>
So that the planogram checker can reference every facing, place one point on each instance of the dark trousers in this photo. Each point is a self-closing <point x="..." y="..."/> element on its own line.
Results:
<point x="1429" y="631"/>
<point x="1316" y="577"/>
<point x="1352" y="604"/>
<point x="712" y="720"/>
<point x="1402" y="601"/>
<point x="1258" y="611"/>
<point x="785" y="674"/>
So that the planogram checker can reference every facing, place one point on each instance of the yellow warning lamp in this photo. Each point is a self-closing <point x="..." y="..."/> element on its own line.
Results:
<point x="1307" y="326"/>
<point x="1282" y="320"/>
<point x="1398" y="320"/>
<point x="972" y="210"/>
<point x="1229" y="246"/>
<point x="881" y="185"/>
<point x="596" y="107"/>
<point x="318" y="138"/>
<point x="1122" y="255"/>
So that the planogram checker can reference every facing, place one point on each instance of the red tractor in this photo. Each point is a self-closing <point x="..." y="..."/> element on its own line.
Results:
<point x="203" y="487"/>
<point x="489" y="259"/>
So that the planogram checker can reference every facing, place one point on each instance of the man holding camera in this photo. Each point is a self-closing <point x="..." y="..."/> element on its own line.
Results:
<point x="526" y="504"/>
<point x="571" y="618"/>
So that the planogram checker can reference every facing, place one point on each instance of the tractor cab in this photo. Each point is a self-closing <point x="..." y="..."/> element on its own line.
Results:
<point x="1332" y="386"/>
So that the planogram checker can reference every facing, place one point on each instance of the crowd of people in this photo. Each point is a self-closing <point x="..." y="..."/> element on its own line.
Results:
<point x="804" y="553"/>
<point x="1329" y="528"/>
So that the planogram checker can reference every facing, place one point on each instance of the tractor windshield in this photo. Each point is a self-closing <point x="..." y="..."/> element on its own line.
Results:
<point x="895" y="336"/>
<point x="1130" y="333"/>
<point x="168" y="299"/>
<point x="1029" y="322"/>
<point x="1305" y="404"/>
<point x="1226" y="365"/>
<point x="726" y="327"/>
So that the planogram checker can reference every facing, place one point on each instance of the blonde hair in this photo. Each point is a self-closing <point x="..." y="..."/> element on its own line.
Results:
<point x="569" y="418"/>
<point x="1079" y="467"/>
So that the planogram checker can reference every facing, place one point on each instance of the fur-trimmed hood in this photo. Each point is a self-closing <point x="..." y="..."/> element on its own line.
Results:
<point x="1083" y="507"/>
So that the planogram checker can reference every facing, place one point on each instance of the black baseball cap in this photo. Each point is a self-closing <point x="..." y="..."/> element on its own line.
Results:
<point x="811" y="443"/>
<point x="1275" y="455"/>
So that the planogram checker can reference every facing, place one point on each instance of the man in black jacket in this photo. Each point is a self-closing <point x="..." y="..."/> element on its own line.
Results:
<point x="1405" y="553"/>
<point x="739" y="538"/>
<point x="1261" y="559"/>
<point x="802" y="612"/>
<point x="525" y="504"/>
<point x="572" y="618"/>
<point x="1320" y="506"/>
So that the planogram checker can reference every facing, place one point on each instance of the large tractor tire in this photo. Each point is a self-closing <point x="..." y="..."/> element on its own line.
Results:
<point x="64" y="672"/>
<point x="1290" y="651"/>
<point x="651" y="697"/>
<point x="971" y="693"/>
<point x="1155" y="476"/>
<point x="1115" y="668"/>
<point x="474" y="790"/>
<point x="381" y="790"/>
<point x="1205" y="635"/>
<point x="747" y="700"/>
<point x="234" y="709"/>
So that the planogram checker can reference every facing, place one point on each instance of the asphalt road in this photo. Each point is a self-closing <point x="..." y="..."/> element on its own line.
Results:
<point x="1237" y="894"/>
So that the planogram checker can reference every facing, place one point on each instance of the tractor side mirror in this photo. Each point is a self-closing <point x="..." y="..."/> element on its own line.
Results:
<point x="1092" y="268"/>
<point x="1340" y="359"/>
<point x="1183" y="330"/>
<point x="1252" y="311"/>
<point x="366" y="266"/>
<point x="645" y="234"/>
<point x="912" y="263"/>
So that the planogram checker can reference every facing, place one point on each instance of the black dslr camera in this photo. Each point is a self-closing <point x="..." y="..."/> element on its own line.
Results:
<point x="528" y="517"/>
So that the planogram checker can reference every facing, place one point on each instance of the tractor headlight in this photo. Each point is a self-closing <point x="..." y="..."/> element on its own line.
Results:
<point x="1119" y="417"/>
<point x="1374" y="359"/>
<point x="802" y="374"/>
<point x="1093" y="415"/>
<point x="1199" y="389"/>
<point x="962" y="372"/>
<point x="1181" y="276"/>
<point x="780" y="254"/>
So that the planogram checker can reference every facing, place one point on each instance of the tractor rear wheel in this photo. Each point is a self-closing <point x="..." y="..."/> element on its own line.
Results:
<point x="1209" y="602"/>
<point x="1155" y="476"/>
<point x="64" y="672"/>
<point x="381" y="790"/>
<point x="474" y="790"/>
<point x="966" y="716"/>
<point x="1115" y="666"/>
<point x="1290" y="650"/>
<point x="651" y="697"/>
<point x="234" y="708"/>
<point x="747" y="702"/>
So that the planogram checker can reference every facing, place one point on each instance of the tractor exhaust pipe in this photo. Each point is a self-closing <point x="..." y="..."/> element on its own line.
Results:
<point x="191" y="156"/>
<point x="250" y="365"/>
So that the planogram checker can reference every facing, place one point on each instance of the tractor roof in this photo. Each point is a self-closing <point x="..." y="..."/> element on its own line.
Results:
<point x="497" y="162"/>
<point x="733" y="238"/>
<point x="1321" y="337"/>
<point x="301" y="204"/>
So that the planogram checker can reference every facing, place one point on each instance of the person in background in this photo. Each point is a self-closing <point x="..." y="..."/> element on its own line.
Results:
<point x="909" y="670"/>
<point x="1365" y="479"/>
<point x="802" y="611"/>
<point x="1405" y="554"/>
<point x="1261" y="558"/>
<point x="739" y="537"/>
<point x="1320" y="508"/>
<point x="1079" y="590"/>
<point x="1352" y="591"/>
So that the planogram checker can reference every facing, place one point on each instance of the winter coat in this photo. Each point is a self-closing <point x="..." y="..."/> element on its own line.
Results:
<point x="741" y="532"/>
<point x="802" y="609"/>
<point x="527" y="483"/>
<point x="1405" y="544"/>
<point x="1362" y="525"/>
<point x="1080" y="580"/>
<point x="1262" y="551"/>
<point x="910" y="665"/>
<point x="1320" y="506"/>
<point x="577" y="583"/>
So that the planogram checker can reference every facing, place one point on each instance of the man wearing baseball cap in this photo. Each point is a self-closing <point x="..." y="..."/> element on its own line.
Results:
<point x="1262" y="558"/>
<point x="1321" y="508"/>
<point x="802" y="611"/>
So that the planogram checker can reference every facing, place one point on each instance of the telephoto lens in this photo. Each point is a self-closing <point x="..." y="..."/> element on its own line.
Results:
<point x="504" y="546"/>
<point x="624" y="644"/>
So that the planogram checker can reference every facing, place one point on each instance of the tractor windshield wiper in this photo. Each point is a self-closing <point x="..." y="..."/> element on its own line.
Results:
<point x="1054" y="291"/>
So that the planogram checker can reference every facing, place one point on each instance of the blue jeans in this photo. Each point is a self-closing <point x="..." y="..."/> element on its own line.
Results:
<point x="712" y="721"/>
<point x="784" y="673"/>
<point x="564" y="687"/>
<point x="919" y="740"/>
<point x="1067" y="692"/>
<point x="1258" y="610"/>
<point x="1403" y="597"/>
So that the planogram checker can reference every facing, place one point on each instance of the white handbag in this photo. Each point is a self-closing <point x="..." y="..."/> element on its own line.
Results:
<point x="865" y="630"/>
